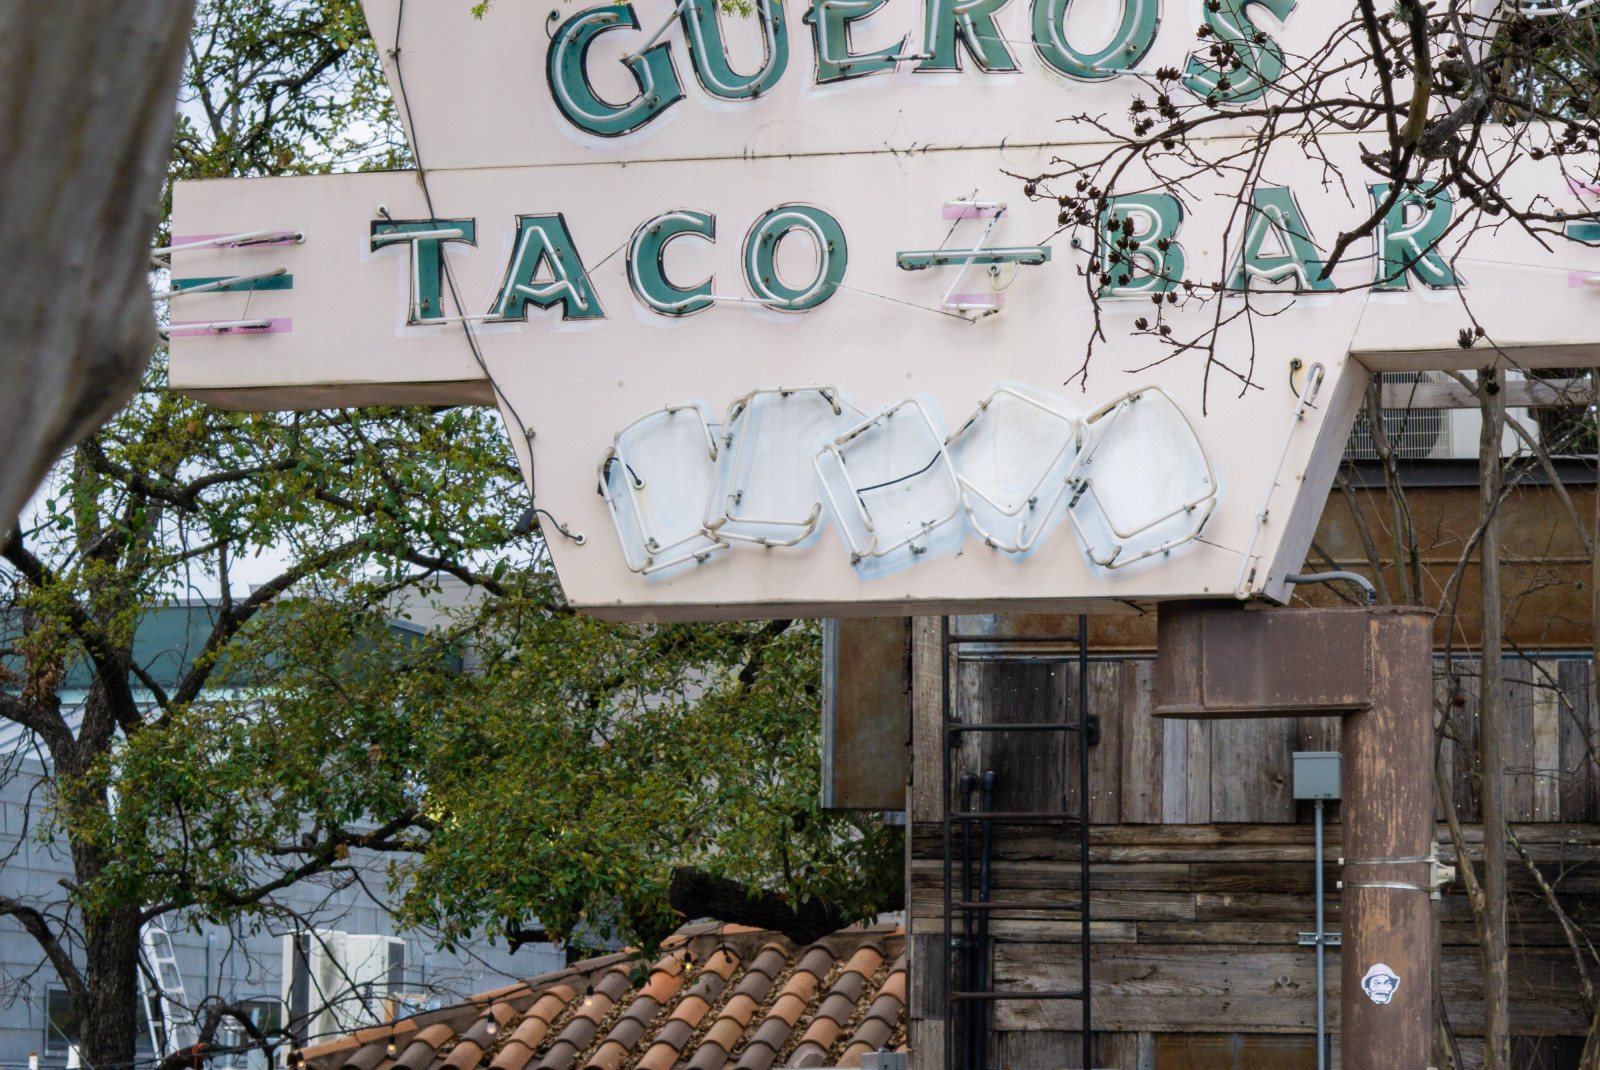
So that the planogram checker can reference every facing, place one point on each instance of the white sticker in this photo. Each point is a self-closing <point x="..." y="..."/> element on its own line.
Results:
<point x="1380" y="983"/>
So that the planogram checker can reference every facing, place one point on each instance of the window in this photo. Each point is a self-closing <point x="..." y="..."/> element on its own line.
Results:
<point x="61" y="1025"/>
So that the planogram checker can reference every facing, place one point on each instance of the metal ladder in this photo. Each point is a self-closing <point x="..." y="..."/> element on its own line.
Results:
<point x="969" y="952"/>
<point x="176" y="1024"/>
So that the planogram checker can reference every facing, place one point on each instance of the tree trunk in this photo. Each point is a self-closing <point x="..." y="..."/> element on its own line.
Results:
<point x="89" y="89"/>
<point x="1496" y="992"/>
<point x="110" y="1028"/>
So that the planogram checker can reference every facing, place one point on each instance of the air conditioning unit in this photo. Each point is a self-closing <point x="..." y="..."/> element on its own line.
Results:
<point x="1419" y="433"/>
<point x="336" y="982"/>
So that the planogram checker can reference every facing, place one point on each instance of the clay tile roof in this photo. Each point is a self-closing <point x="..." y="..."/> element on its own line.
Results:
<point x="717" y="998"/>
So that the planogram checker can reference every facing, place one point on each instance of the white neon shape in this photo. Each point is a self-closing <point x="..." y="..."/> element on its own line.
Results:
<point x="254" y="237"/>
<point x="998" y="209"/>
<point x="1105" y="441"/>
<point x="1242" y="584"/>
<point x="217" y="325"/>
<point x="970" y="454"/>
<point x="781" y="463"/>
<point x="764" y="12"/>
<point x="861" y="549"/>
<point x="657" y="534"/>
<point x="206" y="287"/>
<point x="539" y="293"/>
<point x="765" y="295"/>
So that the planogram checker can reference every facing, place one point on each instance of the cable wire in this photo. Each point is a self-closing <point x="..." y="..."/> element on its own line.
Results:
<point x="455" y="295"/>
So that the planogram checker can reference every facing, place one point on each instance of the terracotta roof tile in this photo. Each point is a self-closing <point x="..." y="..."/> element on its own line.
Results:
<point x="718" y="998"/>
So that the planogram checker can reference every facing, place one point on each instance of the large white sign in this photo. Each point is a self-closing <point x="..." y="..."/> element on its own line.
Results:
<point x="778" y="331"/>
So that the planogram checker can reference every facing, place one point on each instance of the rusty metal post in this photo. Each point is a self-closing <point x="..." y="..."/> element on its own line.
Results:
<point x="1386" y="976"/>
<point x="1374" y="667"/>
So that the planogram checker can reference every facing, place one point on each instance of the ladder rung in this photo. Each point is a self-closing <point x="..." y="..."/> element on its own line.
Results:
<point x="1034" y="726"/>
<point x="1016" y="817"/>
<point x="1063" y="994"/>
<point x="1011" y="638"/>
<point x="1024" y="905"/>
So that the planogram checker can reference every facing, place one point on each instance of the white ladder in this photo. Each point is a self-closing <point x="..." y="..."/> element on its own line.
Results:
<point x="177" y="1023"/>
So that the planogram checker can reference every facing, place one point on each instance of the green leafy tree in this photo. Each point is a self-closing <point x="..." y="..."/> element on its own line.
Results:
<point x="529" y="772"/>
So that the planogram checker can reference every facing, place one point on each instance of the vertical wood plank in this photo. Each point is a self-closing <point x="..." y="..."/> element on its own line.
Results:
<point x="1518" y="761"/>
<point x="1175" y="772"/>
<point x="925" y="1039"/>
<point x="1546" y="742"/>
<point x="1041" y="1049"/>
<point x="1029" y="766"/>
<point x="1199" y="773"/>
<point x="1577" y="741"/>
<point x="926" y="976"/>
<point x="927" y="758"/>
<point x="1463" y="718"/>
<point x="1105" y="758"/>
<point x="1116" y="1051"/>
<point x="1446" y="753"/>
<point x="1143" y="746"/>
<point x="1250" y="770"/>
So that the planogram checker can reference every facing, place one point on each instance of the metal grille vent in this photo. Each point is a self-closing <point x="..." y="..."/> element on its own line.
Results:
<point x="1414" y="433"/>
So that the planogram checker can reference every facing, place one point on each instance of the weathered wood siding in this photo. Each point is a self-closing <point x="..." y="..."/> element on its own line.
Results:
<point x="1202" y="869"/>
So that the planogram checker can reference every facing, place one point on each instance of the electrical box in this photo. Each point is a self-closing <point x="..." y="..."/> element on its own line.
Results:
<point x="1316" y="774"/>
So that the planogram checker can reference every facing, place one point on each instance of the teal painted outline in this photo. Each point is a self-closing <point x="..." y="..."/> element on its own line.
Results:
<point x="760" y="252"/>
<point x="566" y="71"/>
<point x="1135" y="35"/>
<point x="646" y="266"/>
<point x="830" y="22"/>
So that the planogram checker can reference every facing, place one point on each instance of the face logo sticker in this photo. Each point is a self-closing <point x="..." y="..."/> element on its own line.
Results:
<point x="1380" y="983"/>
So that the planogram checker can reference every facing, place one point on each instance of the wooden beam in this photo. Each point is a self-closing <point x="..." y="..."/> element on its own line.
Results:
<point x="1520" y="394"/>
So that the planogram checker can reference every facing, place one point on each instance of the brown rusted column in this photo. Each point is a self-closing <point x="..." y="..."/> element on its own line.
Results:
<point x="1386" y="983"/>
<point x="1374" y="667"/>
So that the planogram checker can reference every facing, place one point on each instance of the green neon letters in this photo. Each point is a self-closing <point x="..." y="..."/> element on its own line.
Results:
<point x="1276" y="218"/>
<point x="830" y="34"/>
<point x="761" y="251"/>
<point x="427" y="257"/>
<point x="647" y="271"/>
<point x="969" y="24"/>
<point x="703" y="28"/>
<point x="1133" y="38"/>
<point x="544" y="242"/>
<point x="1156" y="263"/>
<point x="566" y="68"/>
<point x="1263" y="63"/>
<point x="1407" y="238"/>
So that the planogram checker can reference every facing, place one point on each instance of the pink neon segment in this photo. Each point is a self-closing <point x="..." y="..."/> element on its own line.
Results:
<point x="989" y="300"/>
<point x="198" y="329"/>
<point x="967" y="211"/>
<point x="280" y="237"/>
<point x="1579" y="188"/>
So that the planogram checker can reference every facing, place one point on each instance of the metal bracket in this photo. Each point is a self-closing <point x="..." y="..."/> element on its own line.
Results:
<point x="1439" y="874"/>
<point x="1328" y="940"/>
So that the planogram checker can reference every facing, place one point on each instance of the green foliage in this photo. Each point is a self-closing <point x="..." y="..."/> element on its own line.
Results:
<point x="522" y="766"/>
<point x="586" y="760"/>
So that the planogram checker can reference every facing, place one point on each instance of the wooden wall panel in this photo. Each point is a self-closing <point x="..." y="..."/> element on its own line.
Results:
<point x="1578" y="740"/>
<point x="1546" y="742"/>
<point x="1461" y="719"/>
<point x="1105" y="758"/>
<point x="1517" y="710"/>
<point x="1143" y="747"/>
<point x="1250" y="770"/>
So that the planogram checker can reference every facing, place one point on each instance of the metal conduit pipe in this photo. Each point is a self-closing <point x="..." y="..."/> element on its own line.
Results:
<point x="1328" y="577"/>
